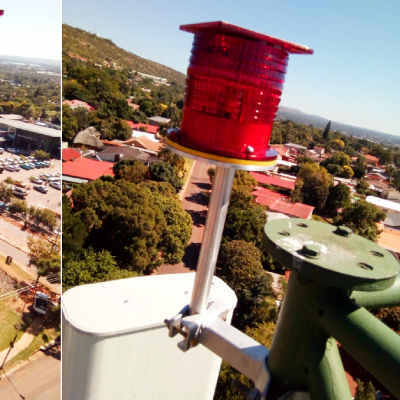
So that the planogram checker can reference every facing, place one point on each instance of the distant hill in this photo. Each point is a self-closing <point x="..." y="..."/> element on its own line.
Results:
<point x="300" y="117"/>
<point x="96" y="49"/>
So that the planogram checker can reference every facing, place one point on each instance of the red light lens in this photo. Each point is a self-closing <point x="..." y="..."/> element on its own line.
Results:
<point x="233" y="91"/>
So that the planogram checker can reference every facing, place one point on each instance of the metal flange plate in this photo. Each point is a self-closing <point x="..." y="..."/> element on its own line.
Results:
<point x="331" y="255"/>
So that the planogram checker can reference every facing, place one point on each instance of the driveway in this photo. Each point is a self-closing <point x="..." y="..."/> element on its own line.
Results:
<point x="195" y="203"/>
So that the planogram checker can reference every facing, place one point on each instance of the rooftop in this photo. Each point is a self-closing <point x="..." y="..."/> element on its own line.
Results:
<point x="390" y="205"/>
<point x="31" y="128"/>
<point x="67" y="154"/>
<point x="265" y="179"/>
<point x="85" y="168"/>
<point x="149" y="128"/>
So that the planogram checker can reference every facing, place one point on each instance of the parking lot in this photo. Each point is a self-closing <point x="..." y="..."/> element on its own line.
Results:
<point x="51" y="199"/>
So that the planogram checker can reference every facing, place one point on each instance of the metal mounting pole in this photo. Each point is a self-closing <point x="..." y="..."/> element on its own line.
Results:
<point x="214" y="227"/>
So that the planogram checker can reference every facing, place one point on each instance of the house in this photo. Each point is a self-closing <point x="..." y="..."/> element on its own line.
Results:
<point x="263" y="179"/>
<point x="132" y="105"/>
<point x="88" y="138"/>
<point x="14" y="117"/>
<point x="82" y="170"/>
<point x="156" y="121"/>
<point x="145" y="128"/>
<point x="372" y="161"/>
<point x="282" y="151"/>
<point x="73" y="104"/>
<point x="296" y="147"/>
<point x="277" y="203"/>
<point x="319" y="150"/>
<point x="145" y="144"/>
<point x="391" y="194"/>
<point x="117" y="153"/>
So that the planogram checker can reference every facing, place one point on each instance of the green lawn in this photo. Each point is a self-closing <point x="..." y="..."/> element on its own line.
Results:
<point x="8" y="319"/>
<point x="190" y="162"/>
<point x="44" y="336"/>
<point x="19" y="272"/>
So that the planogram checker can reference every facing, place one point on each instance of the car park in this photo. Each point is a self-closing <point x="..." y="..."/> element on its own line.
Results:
<point x="41" y="188"/>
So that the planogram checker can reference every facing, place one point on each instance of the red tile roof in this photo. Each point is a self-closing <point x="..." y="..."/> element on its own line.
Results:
<point x="67" y="154"/>
<point x="149" y="128"/>
<point x="281" y="150"/>
<point x="85" y="168"/>
<point x="265" y="179"/>
<point x="78" y="103"/>
<point x="370" y="158"/>
<point x="266" y="197"/>
<point x="298" y="210"/>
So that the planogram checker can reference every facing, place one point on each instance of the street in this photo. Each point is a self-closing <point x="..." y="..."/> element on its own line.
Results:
<point x="13" y="232"/>
<point x="195" y="203"/>
<point x="38" y="380"/>
<point x="18" y="256"/>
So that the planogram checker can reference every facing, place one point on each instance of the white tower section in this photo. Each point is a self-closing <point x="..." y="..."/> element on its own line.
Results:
<point x="116" y="345"/>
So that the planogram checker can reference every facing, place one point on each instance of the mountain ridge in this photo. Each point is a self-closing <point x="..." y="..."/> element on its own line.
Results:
<point x="94" y="48"/>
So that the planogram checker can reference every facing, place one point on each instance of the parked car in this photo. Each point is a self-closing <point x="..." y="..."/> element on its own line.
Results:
<point x="45" y="177"/>
<point x="19" y="184"/>
<point x="57" y="175"/>
<point x="32" y="165"/>
<point x="19" y="192"/>
<point x="17" y="168"/>
<point x="55" y="185"/>
<point x="1" y="150"/>
<point x="25" y="166"/>
<point x="41" y="188"/>
<point x="9" y="168"/>
<point x="37" y="180"/>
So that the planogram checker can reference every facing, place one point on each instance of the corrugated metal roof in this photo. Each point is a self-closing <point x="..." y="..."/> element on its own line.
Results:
<point x="390" y="205"/>
<point x="32" y="128"/>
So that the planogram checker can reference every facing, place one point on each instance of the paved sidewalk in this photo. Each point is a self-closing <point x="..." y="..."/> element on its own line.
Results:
<point x="24" y="341"/>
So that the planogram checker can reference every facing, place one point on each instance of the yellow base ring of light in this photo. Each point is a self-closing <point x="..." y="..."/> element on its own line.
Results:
<point x="222" y="159"/>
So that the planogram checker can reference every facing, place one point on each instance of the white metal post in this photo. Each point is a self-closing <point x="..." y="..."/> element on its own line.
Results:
<point x="216" y="215"/>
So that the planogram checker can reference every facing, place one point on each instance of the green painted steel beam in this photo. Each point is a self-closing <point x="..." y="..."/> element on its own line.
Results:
<point x="375" y="346"/>
<point x="385" y="298"/>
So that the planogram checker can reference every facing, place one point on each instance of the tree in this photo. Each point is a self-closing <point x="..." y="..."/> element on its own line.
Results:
<point x="347" y="172"/>
<point x="337" y="144"/>
<point x="312" y="186"/>
<point x="163" y="188"/>
<point x="112" y="105"/>
<point x="42" y="249"/>
<point x="362" y="218"/>
<point x="50" y="265"/>
<point x="243" y="272"/>
<point x="120" y="166"/>
<point x="164" y="172"/>
<point x="122" y="218"/>
<point x="6" y="193"/>
<point x="385" y="156"/>
<point x="42" y="155"/>
<point x="93" y="267"/>
<point x="69" y="124"/>
<point x="327" y="129"/>
<point x="74" y="232"/>
<point x="172" y="158"/>
<point x="339" y="158"/>
<point x="115" y="128"/>
<point x="360" y="167"/>
<point x="135" y="173"/>
<point x="362" y="186"/>
<point x="211" y="173"/>
<point x="18" y="206"/>
<point x="339" y="197"/>
<point x="365" y="393"/>
<point x="334" y="169"/>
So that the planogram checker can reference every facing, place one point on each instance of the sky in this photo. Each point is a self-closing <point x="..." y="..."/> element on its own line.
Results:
<point x="352" y="77"/>
<point x="31" y="28"/>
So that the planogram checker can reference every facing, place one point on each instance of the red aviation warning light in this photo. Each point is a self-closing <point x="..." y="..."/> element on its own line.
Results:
<point x="234" y="86"/>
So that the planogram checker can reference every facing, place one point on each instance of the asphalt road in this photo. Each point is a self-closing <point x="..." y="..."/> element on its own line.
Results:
<point x="195" y="203"/>
<point x="13" y="232"/>
<point x="38" y="380"/>
<point x="18" y="256"/>
<point x="51" y="199"/>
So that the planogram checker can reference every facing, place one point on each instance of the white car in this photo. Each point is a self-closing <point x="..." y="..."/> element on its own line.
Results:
<point x="45" y="177"/>
<point x="37" y="180"/>
<point x="9" y="168"/>
<point x="55" y="185"/>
